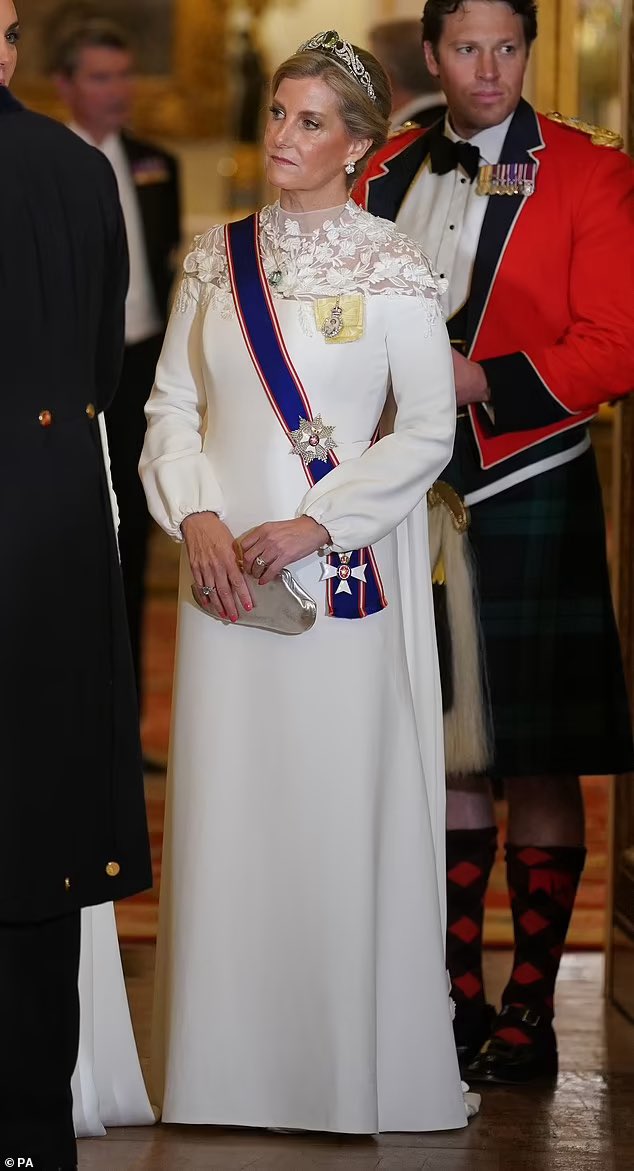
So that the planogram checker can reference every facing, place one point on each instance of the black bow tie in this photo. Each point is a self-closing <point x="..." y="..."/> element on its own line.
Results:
<point x="446" y="155"/>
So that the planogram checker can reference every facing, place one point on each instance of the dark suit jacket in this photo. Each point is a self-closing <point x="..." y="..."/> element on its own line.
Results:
<point x="72" y="816"/>
<point x="155" y="175"/>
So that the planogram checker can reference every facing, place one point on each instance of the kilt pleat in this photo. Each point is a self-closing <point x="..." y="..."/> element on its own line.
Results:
<point x="555" y="675"/>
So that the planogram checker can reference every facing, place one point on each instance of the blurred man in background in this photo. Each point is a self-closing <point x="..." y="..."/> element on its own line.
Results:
<point x="416" y="95"/>
<point x="93" y="68"/>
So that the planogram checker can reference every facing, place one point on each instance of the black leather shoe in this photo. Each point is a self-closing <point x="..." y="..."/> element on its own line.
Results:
<point x="501" y="1062"/>
<point x="471" y="1029"/>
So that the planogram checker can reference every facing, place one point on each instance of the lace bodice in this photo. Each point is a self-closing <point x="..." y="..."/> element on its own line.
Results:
<point x="349" y="251"/>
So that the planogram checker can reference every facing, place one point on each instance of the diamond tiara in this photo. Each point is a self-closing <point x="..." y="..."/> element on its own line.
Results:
<point x="331" y="42"/>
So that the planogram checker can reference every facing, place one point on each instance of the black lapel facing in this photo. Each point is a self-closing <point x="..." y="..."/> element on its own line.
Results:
<point x="386" y="192"/>
<point x="522" y="139"/>
<point x="8" y="104"/>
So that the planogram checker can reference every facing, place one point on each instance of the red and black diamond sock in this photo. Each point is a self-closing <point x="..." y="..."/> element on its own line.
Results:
<point x="470" y="858"/>
<point x="542" y="884"/>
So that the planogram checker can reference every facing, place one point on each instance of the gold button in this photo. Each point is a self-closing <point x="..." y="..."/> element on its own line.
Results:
<point x="112" y="869"/>
<point x="90" y="410"/>
<point x="45" y="418"/>
<point x="67" y="884"/>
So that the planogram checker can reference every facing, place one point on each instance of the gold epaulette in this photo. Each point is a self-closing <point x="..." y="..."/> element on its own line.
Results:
<point x="598" y="135"/>
<point x="403" y="128"/>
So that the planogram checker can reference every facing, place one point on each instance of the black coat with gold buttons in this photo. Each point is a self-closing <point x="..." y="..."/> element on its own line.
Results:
<point x="72" y="818"/>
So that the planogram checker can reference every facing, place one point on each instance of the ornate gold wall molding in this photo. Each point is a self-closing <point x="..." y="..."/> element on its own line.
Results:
<point x="621" y="916"/>
<point x="555" y="68"/>
<point x="190" y="101"/>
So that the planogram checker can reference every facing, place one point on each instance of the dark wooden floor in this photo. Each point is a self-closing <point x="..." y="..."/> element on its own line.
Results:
<point x="585" y="1124"/>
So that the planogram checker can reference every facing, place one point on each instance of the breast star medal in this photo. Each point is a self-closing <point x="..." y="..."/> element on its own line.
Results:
<point x="343" y="571"/>
<point x="312" y="440"/>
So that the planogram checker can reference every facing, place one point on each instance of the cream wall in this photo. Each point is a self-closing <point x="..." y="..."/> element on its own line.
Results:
<point x="286" y="24"/>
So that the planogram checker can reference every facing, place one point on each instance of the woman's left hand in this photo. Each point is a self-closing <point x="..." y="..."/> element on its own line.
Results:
<point x="270" y="547"/>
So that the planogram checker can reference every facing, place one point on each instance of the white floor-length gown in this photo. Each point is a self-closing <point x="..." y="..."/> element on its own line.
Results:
<point x="301" y="977"/>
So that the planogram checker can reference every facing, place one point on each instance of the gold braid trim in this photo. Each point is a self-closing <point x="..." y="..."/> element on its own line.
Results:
<point x="599" y="136"/>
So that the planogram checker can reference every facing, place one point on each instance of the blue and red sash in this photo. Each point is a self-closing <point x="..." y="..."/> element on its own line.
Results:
<point x="286" y="394"/>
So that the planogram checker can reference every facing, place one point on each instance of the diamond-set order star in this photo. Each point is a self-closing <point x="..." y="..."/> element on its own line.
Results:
<point x="312" y="440"/>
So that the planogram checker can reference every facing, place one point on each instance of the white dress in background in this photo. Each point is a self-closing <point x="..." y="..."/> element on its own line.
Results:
<point x="107" y="1085"/>
<point x="300" y="972"/>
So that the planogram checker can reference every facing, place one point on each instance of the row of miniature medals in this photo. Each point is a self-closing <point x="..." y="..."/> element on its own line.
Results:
<point x="507" y="179"/>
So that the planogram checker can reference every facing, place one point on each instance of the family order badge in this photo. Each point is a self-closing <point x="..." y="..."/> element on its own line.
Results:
<point x="341" y="319"/>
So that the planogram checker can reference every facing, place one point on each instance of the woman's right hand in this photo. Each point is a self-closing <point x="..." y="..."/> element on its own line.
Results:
<point x="213" y="561"/>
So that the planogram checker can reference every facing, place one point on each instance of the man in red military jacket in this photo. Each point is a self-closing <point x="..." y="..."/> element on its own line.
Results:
<point x="531" y="221"/>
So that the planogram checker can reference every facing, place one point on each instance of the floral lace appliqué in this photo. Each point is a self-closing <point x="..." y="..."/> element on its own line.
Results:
<point x="206" y="274"/>
<point x="356" y="252"/>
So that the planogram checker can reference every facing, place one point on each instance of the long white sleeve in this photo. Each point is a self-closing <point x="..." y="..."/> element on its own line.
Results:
<point x="177" y="476"/>
<point x="365" y="498"/>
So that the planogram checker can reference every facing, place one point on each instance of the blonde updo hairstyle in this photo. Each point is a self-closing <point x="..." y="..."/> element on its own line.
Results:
<point x="361" y="117"/>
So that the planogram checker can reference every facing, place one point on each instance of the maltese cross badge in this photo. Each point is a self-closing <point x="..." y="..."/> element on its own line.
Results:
<point x="344" y="571"/>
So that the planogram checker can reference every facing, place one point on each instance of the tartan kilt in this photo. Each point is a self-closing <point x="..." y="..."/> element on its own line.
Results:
<point x="555" y="675"/>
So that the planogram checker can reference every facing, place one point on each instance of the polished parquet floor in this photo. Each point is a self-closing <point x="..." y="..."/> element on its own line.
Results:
<point x="585" y="1124"/>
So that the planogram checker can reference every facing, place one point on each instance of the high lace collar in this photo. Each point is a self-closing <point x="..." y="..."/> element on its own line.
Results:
<point x="305" y="223"/>
<point x="327" y="253"/>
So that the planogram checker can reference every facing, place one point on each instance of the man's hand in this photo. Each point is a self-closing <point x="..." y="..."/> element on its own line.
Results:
<point x="471" y="381"/>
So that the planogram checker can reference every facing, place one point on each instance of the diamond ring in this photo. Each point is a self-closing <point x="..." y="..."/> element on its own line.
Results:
<point x="260" y="562"/>
<point x="207" y="590"/>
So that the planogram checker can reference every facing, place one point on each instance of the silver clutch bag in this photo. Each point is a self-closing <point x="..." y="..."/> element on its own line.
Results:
<point x="282" y="606"/>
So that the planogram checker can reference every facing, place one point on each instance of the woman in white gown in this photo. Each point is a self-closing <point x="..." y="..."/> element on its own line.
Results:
<point x="300" y="974"/>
